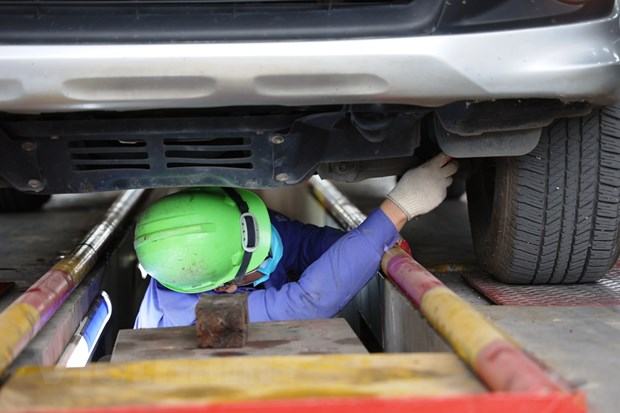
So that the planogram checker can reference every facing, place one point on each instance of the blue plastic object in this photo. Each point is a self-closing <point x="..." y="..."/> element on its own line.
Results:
<point x="275" y="255"/>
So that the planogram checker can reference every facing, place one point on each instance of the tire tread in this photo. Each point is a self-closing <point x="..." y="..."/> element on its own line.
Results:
<point x="564" y="205"/>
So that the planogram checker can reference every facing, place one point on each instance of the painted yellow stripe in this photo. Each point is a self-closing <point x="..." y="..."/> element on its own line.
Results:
<point x="230" y="379"/>
<point x="78" y="264"/>
<point x="467" y="331"/>
<point x="17" y="323"/>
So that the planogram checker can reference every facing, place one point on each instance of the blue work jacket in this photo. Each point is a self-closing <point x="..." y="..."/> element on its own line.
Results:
<point x="320" y="271"/>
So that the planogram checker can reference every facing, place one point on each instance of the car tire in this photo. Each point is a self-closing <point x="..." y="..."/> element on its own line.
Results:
<point x="12" y="200"/>
<point x="551" y="216"/>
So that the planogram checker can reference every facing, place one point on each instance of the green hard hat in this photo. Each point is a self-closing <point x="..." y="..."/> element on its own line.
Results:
<point x="199" y="239"/>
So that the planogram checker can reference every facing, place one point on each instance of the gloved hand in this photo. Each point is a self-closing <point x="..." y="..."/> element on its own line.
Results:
<point x="422" y="189"/>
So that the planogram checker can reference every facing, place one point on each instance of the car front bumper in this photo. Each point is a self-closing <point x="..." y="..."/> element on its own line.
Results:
<point x="570" y="62"/>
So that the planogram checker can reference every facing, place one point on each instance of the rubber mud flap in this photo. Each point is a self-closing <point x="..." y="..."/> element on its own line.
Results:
<point x="489" y="144"/>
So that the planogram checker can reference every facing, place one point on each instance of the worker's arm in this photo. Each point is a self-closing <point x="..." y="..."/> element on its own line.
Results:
<point x="330" y="282"/>
<point x="394" y="214"/>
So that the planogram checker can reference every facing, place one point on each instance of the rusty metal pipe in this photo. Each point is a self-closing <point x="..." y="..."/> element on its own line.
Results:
<point x="495" y="357"/>
<point x="25" y="317"/>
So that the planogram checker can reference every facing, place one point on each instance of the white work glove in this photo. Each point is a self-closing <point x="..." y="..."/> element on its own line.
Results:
<point x="422" y="189"/>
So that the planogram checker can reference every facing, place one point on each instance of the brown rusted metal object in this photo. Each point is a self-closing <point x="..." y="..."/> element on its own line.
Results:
<point x="222" y="321"/>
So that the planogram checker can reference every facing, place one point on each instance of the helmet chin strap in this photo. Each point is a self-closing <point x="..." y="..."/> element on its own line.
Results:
<point x="251" y="231"/>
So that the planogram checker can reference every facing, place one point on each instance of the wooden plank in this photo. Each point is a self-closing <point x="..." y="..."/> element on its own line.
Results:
<point x="235" y="379"/>
<point x="275" y="338"/>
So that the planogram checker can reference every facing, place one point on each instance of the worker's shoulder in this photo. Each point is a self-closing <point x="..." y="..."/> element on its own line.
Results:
<point x="285" y="225"/>
<point x="281" y="221"/>
<point x="277" y="217"/>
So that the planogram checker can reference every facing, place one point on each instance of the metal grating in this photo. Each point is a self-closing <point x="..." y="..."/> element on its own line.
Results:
<point x="114" y="154"/>
<point x="107" y="154"/>
<point x="605" y="292"/>
<point x="227" y="152"/>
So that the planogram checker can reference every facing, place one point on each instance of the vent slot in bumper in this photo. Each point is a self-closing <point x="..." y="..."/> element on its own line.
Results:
<point x="99" y="155"/>
<point x="219" y="152"/>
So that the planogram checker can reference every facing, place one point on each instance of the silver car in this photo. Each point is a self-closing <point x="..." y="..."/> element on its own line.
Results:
<point x="105" y="95"/>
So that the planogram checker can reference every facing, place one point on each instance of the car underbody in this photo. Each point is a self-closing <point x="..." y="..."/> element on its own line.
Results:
<point x="259" y="147"/>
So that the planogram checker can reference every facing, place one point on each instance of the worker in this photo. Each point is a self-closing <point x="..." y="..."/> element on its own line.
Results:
<point x="224" y="240"/>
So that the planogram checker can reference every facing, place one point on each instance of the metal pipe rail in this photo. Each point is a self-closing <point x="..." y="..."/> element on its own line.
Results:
<point x="25" y="317"/>
<point x="495" y="357"/>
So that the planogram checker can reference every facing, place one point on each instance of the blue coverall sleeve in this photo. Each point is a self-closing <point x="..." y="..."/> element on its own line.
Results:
<point x="162" y="307"/>
<point x="330" y="282"/>
<point x="303" y="243"/>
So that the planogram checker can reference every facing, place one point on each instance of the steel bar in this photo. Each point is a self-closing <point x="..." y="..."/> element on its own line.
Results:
<point x="340" y="208"/>
<point x="496" y="358"/>
<point x="47" y="346"/>
<point x="25" y="317"/>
